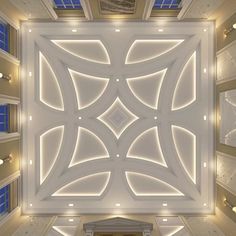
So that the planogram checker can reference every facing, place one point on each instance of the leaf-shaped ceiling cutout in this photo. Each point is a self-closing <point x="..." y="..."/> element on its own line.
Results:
<point x="145" y="185"/>
<point x="88" y="88"/>
<point x="185" y="90"/>
<point x="90" y="50"/>
<point x="49" y="83"/>
<point x="50" y="144"/>
<point x="147" y="88"/>
<point x="185" y="144"/>
<point x="88" y="147"/>
<point x="147" y="147"/>
<point x="146" y="49"/>
<point x="88" y="186"/>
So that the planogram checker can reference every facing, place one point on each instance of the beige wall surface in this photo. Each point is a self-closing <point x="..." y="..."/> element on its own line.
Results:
<point x="6" y="148"/>
<point x="11" y="12"/>
<point x="223" y="41"/>
<point x="11" y="88"/>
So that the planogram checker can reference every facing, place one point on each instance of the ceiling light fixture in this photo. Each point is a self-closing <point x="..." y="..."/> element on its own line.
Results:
<point x="30" y="118"/>
<point x="31" y="162"/>
<point x="229" y="205"/>
<point x="117" y="30"/>
<point x="74" y="30"/>
<point x="164" y="220"/>
<point x="71" y="220"/>
<point x="204" y="117"/>
<point x="8" y="159"/>
<point x="30" y="204"/>
<point x="6" y="77"/>
<point x="205" y="164"/>
<point x="230" y="30"/>
<point x="118" y="204"/>
<point x="70" y="204"/>
<point x="204" y="204"/>
<point x="205" y="70"/>
<point x="160" y="30"/>
<point x="30" y="74"/>
<point x="30" y="30"/>
<point x="164" y="204"/>
<point x="205" y="30"/>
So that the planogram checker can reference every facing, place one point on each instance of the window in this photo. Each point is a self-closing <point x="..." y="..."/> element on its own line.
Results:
<point x="3" y="118"/>
<point x="4" y="36"/>
<point x="68" y="4"/>
<point x="167" y="4"/>
<point x="4" y="200"/>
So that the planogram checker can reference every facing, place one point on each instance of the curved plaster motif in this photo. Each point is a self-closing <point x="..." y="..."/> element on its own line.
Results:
<point x="90" y="50"/>
<point x="147" y="147"/>
<point x="50" y="145"/>
<point x="184" y="97"/>
<point x="88" y="186"/>
<point x="185" y="144"/>
<point x="88" y="147"/>
<point x="147" y="88"/>
<point x="49" y="83"/>
<point x="145" y="49"/>
<point x="88" y="88"/>
<point x="145" y="185"/>
<point x="85" y="135"/>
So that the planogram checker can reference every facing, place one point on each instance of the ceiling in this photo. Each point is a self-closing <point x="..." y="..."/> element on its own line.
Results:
<point x="118" y="118"/>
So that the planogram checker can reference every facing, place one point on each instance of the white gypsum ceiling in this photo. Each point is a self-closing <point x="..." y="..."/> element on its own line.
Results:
<point x="118" y="119"/>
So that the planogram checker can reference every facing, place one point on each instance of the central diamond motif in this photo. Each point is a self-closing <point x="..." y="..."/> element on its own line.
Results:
<point x="117" y="118"/>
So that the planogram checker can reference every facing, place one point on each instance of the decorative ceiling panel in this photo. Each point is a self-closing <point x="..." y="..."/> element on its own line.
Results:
<point x="121" y="121"/>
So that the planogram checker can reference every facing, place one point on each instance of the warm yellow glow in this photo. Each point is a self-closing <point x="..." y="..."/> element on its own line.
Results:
<point x="1" y="161"/>
<point x="234" y="209"/>
<point x="234" y="26"/>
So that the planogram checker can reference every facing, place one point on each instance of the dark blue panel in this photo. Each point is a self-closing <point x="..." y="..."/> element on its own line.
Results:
<point x="3" y="118"/>
<point x="4" y="44"/>
<point x="4" y="200"/>
<point x="167" y="4"/>
<point x="68" y="4"/>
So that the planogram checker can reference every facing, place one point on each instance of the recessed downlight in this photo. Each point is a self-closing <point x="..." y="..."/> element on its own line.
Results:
<point x="164" y="204"/>
<point x="117" y="30"/>
<point x="164" y="220"/>
<point x="160" y="30"/>
<point x="71" y="220"/>
<point x="118" y="205"/>
<point x="74" y="30"/>
<point x="70" y="204"/>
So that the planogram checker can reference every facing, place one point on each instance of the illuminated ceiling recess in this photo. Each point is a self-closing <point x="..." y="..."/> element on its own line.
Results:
<point x="118" y="118"/>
